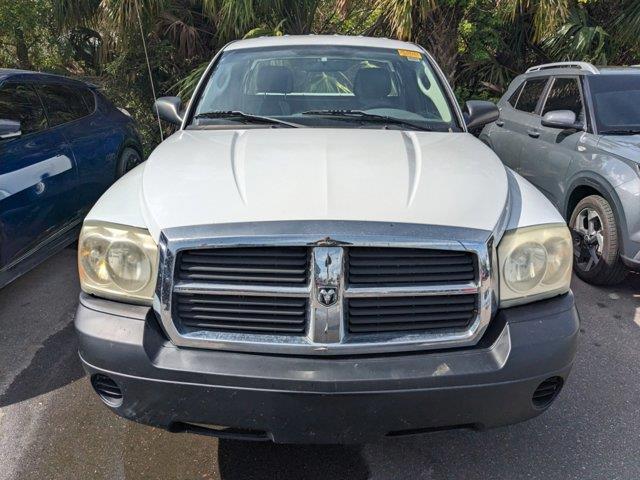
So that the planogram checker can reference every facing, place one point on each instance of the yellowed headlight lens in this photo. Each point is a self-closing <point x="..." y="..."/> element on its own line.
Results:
<point x="535" y="263"/>
<point x="118" y="262"/>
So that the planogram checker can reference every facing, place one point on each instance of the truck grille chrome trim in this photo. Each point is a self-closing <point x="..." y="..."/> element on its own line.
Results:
<point x="220" y="289"/>
<point x="453" y="289"/>
<point x="339" y="319"/>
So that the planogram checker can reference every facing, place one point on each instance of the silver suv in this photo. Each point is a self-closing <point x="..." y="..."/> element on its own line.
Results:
<point x="573" y="130"/>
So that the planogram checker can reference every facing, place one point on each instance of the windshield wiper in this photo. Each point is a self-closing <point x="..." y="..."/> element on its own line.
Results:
<point x="246" y="117"/>
<point x="361" y="115"/>
<point x="625" y="131"/>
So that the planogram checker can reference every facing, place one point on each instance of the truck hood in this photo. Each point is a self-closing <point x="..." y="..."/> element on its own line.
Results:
<point x="225" y="176"/>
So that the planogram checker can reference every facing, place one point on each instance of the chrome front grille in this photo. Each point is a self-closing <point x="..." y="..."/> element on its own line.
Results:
<point x="409" y="266"/>
<point x="255" y="266"/>
<point x="308" y="294"/>
<point x="415" y="313"/>
<point x="241" y="313"/>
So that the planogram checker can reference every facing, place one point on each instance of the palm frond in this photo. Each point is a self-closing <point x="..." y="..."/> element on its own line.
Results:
<point x="577" y="39"/>
<point x="74" y="13"/>
<point x="628" y="24"/>
<point x="187" y="85"/>
<point x="545" y="15"/>
<point x="265" y="31"/>
<point x="399" y="15"/>
<point x="180" y="27"/>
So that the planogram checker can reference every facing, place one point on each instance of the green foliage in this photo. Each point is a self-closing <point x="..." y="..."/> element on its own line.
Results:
<point x="480" y="44"/>
<point x="28" y="38"/>
<point x="579" y="38"/>
<point x="187" y="85"/>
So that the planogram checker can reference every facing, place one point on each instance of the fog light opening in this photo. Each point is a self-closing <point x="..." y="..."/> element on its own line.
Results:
<point x="107" y="389"/>
<point x="547" y="392"/>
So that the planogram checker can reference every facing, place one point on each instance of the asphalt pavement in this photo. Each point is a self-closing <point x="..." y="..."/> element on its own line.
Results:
<point x="52" y="426"/>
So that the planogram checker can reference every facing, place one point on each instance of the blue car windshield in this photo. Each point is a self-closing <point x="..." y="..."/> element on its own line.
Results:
<point x="616" y="101"/>
<point x="336" y="86"/>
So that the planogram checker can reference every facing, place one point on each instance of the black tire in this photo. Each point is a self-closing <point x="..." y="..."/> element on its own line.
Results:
<point x="129" y="158"/>
<point x="609" y="269"/>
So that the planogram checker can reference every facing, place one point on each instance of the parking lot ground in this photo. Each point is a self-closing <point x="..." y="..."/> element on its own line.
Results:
<point x="52" y="426"/>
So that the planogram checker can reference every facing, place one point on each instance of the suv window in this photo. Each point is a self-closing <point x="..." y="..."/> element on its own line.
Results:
<point x="62" y="103"/>
<point x="19" y="102"/>
<point x="513" y="99"/>
<point x="616" y="101"/>
<point x="564" y="95"/>
<point x="531" y="94"/>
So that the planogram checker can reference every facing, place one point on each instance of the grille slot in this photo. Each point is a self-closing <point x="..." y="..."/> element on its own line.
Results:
<point x="405" y="314"/>
<point x="273" y="266"/>
<point x="375" y="266"/>
<point x="243" y="313"/>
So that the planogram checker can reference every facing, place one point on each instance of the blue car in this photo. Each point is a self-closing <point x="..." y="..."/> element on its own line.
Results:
<point x="62" y="144"/>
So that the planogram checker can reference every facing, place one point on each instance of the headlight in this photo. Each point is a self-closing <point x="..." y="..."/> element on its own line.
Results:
<point x="535" y="263"/>
<point x="117" y="262"/>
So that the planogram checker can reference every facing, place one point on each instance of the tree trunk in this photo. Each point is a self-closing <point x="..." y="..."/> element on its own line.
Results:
<point x="22" y="51"/>
<point x="439" y="34"/>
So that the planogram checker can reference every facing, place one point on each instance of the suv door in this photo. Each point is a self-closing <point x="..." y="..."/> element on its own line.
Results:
<point x="512" y="130"/>
<point x="37" y="174"/>
<point x="546" y="159"/>
<point x="74" y="110"/>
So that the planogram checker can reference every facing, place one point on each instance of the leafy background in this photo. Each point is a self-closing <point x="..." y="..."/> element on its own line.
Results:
<point x="480" y="44"/>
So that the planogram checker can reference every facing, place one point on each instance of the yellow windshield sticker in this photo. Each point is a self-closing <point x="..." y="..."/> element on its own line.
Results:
<point x="410" y="54"/>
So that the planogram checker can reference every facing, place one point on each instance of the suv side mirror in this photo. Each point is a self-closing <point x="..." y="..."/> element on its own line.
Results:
<point x="9" y="129"/>
<point x="168" y="109"/>
<point x="480" y="112"/>
<point x="564" y="119"/>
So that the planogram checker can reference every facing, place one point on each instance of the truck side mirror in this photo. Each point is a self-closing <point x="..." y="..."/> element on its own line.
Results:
<point x="168" y="109"/>
<point x="9" y="128"/>
<point x="480" y="112"/>
<point x="564" y="119"/>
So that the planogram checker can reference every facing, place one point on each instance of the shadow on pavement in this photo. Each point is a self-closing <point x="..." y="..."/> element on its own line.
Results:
<point x="248" y="460"/>
<point x="55" y="365"/>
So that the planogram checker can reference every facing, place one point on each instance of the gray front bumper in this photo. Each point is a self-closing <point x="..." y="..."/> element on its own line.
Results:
<point x="333" y="399"/>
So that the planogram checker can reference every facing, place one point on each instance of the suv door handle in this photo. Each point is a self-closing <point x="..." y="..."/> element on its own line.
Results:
<point x="500" y="123"/>
<point x="533" y="133"/>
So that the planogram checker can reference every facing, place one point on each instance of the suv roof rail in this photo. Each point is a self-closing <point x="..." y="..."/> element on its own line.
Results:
<point x="579" y="65"/>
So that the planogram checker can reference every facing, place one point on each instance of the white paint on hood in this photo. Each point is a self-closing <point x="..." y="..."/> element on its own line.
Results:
<point x="221" y="176"/>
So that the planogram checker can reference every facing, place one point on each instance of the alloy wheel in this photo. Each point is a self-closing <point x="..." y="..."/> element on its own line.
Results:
<point x="588" y="239"/>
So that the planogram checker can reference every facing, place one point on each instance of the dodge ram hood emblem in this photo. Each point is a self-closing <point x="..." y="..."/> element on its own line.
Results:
<point x="327" y="296"/>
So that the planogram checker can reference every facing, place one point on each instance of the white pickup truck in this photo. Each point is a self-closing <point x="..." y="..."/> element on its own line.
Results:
<point x="322" y="253"/>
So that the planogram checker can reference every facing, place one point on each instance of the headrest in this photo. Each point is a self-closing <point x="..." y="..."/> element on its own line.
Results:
<point x="274" y="79"/>
<point x="372" y="83"/>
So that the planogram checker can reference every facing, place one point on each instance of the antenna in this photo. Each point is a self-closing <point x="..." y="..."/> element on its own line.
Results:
<point x="146" y="54"/>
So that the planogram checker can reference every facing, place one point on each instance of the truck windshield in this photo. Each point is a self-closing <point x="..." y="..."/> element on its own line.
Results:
<point x="616" y="101"/>
<point x="325" y="86"/>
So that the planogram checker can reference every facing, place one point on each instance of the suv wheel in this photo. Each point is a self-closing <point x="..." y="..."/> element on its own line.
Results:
<point x="129" y="158"/>
<point x="595" y="242"/>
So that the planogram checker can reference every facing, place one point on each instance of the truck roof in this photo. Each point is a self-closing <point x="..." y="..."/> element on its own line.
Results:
<point x="354" y="41"/>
